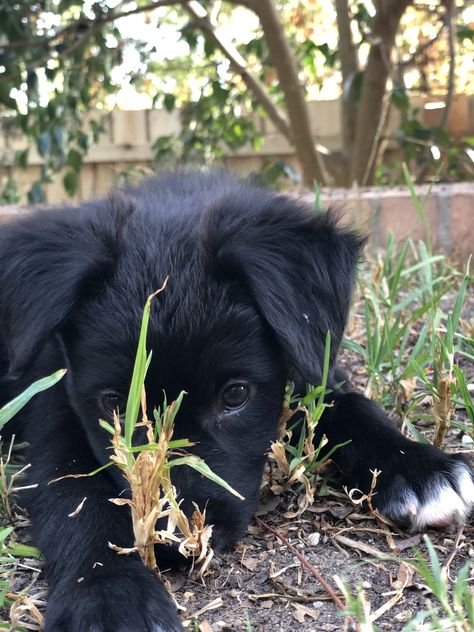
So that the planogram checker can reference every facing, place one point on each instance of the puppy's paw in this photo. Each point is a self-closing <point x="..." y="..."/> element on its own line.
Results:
<point x="425" y="488"/>
<point x="130" y="601"/>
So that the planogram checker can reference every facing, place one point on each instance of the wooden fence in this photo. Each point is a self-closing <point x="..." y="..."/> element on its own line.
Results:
<point x="126" y="142"/>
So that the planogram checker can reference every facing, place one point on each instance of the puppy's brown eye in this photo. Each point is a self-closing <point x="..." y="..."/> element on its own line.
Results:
<point x="112" y="401"/>
<point x="235" y="395"/>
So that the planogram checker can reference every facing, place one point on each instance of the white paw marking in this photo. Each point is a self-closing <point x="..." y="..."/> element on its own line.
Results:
<point x="466" y="486"/>
<point x="445" y="505"/>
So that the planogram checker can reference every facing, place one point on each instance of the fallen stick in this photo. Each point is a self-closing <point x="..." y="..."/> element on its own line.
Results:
<point x="314" y="572"/>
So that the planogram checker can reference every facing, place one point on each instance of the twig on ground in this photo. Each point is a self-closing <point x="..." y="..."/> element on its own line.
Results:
<point x="212" y="605"/>
<point x="314" y="572"/>
<point x="361" y="546"/>
<point x="456" y="548"/>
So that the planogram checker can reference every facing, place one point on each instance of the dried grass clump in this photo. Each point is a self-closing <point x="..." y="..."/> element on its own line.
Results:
<point x="147" y="469"/>
<point x="153" y="496"/>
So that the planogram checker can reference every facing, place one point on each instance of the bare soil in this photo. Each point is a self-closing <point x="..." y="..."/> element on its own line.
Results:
<point x="261" y="586"/>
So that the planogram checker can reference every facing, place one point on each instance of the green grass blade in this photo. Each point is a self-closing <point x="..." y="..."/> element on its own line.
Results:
<point x="418" y="205"/>
<point x="12" y="408"/>
<point x="324" y="379"/>
<point x="465" y="394"/>
<point x="200" y="466"/>
<point x="419" y="436"/>
<point x="142" y="362"/>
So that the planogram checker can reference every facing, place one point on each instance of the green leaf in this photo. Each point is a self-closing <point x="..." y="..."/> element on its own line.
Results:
<point x="12" y="408"/>
<point x="5" y="98"/>
<point x="200" y="466"/>
<point x="36" y="193"/>
<point x="106" y="426"/>
<point x="60" y="136"/>
<point x="70" y="182"/>
<point x="465" y="394"/>
<point x="74" y="160"/>
<point x="23" y="550"/>
<point x="4" y="533"/>
<point x="169" y="102"/>
<point x="43" y="143"/>
<point x="465" y="32"/>
<point x="209" y="47"/>
<point x="400" y="100"/>
<point x="21" y="158"/>
<point x="354" y="346"/>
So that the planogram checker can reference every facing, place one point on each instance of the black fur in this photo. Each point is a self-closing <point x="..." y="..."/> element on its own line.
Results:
<point x="256" y="280"/>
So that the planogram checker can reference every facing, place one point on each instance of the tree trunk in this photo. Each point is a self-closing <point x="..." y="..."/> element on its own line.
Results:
<point x="201" y="19"/>
<point x="370" y="115"/>
<point x="284" y="62"/>
<point x="349" y="69"/>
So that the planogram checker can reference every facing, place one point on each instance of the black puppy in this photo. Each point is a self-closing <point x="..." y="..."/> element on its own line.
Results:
<point x="256" y="280"/>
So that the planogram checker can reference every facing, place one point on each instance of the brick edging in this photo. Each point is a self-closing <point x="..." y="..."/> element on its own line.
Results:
<point x="448" y="209"/>
<point x="449" y="212"/>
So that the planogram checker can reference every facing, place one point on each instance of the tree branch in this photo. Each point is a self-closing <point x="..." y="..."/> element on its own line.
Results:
<point x="423" y="48"/>
<point x="249" y="4"/>
<point x="89" y="24"/>
<point x="349" y="69"/>
<point x="276" y="115"/>
<point x="379" y="67"/>
<point x="451" y="23"/>
<point x="284" y="62"/>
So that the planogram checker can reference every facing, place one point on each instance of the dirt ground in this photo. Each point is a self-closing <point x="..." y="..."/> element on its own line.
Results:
<point x="261" y="586"/>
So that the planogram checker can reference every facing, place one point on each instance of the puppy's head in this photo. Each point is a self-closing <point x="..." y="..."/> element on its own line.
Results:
<point x="256" y="281"/>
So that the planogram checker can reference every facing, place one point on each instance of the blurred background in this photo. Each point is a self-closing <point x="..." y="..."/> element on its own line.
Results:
<point x="333" y="92"/>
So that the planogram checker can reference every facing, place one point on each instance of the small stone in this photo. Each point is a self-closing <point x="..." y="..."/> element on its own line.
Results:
<point x="403" y="616"/>
<point x="313" y="539"/>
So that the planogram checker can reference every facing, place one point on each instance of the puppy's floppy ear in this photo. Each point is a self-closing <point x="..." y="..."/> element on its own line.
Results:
<point x="297" y="264"/>
<point x="50" y="260"/>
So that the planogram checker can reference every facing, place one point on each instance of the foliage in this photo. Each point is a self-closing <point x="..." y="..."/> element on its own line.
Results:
<point x="60" y="59"/>
<point x="453" y="608"/>
<point x="412" y="347"/>
<point x="10" y="549"/>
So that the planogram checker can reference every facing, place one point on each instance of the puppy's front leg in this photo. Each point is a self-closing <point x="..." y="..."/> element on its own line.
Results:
<point x="419" y="485"/>
<point x="92" y="588"/>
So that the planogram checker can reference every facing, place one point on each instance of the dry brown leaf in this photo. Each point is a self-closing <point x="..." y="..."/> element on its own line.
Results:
<point x="74" y="513"/>
<point x="407" y="543"/>
<point x="278" y="451"/>
<point x="24" y="614"/>
<point x="303" y="611"/>
<point x="267" y="503"/>
<point x="251" y="563"/>
<point x="404" y="577"/>
<point x="408" y="388"/>
<point x="254" y="529"/>
<point x="121" y="550"/>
